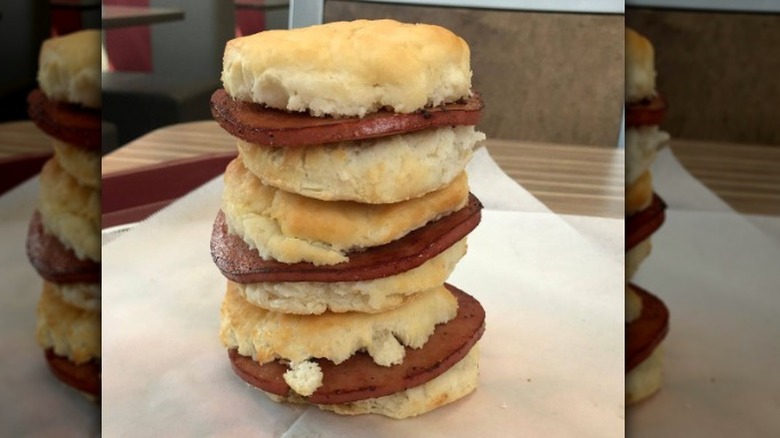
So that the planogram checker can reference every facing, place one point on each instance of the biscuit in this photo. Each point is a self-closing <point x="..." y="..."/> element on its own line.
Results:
<point x="646" y="378"/>
<point x="642" y="145"/>
<point x="640" y="67"/>
<point x="84" y="296"/>
<point x="636" y="255"/>
<point x="633" y="305"/>
<point x="368" y="296"/>
<point x="71" y="332"/>
<point x="266" y="335"/>
<point x="375" y="171"/>
<point x="349" y="68"/>
<point x="81" y="164"/>
<point x="291" y="228"/>
<point x="70" y="211"/>
<point x="69" y="68"/>
<point x="639" y="195"/>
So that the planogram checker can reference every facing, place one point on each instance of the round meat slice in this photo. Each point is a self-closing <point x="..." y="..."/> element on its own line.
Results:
<point x="650" y="111"/>
<point x="55" y="262"/>
<point x="82" y="377"/>
<point x="70" y="123"/>
<point x="241" y="264"/>
<point x="645" y="333"/>
<point x="359" y="378"/>
<point x="258" y="124"/>
<point x="641" y="225"/>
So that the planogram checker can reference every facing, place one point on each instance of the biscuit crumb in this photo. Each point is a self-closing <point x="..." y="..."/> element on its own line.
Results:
<point x="304" y="377"/>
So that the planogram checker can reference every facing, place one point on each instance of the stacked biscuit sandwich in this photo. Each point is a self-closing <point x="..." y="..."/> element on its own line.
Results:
<point x="63" y="242"/>
<point x="345" y="212"/>
<point x="647" y="318"/>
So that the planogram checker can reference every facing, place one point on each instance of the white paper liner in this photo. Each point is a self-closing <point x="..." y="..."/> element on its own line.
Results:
<point x="552" y="355"/>
<point x="718" y="275"/>
<point x="32" y="401"/>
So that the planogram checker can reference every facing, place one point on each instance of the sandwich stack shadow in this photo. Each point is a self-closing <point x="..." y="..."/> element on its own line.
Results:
<point x="647" y="318"/>
<point x="344" y="213"/>
<point x="63" y="242"/>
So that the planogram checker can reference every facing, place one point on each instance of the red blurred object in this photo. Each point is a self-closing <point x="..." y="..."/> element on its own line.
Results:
<point x="129" y="48"/>
<point x="19" y="168"/>
<point x="132" y="195"/>
<point x="65" y="21"/>
<point x="249" y="21"/>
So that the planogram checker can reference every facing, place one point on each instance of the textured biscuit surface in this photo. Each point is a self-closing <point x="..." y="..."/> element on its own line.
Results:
<point x="633" y="304"/>
<point x="291" y="228"/>
<point x="85" y="296"/>
<point x="69" y="68"/>
<point x="349" y="68"/>
<point x="640" y="67"/>
<point x="70" y="211"/>
<point x="639" y="195"/>
<point x="636" y="255"/>
<point x="368" y="296"/>
<point x="374" y="171"/>
<point x="266" y="335"/>
<point x="642" y="145"/>
<point x="646" y="378"/>
<point x="68" y="330"/>
<point x="81" y="164"/>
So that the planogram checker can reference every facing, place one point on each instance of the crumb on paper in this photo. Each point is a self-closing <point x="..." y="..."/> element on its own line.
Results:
<point x="504" y="406"/>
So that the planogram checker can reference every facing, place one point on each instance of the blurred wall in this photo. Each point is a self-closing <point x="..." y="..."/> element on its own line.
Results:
<point x="192" y="48"/>
<point x="23" y="27"/>
<point x="543" y="76"/>
<point x="719" y="71"/>
<point x="185" y="70"/>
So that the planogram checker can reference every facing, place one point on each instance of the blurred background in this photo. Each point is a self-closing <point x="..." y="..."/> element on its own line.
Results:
<point x="562" y="83"/>
<point x="162" y="65"/>
<point x="549" y="73"/>
<point x="555" y="78"/>
<point x="714" y="260"/>
<point x="33" y="402"/>
<point x="718" y="70"/>
<point x="717" y="65"/>
<point x="545" y="76"/>
<point x="24" y="25"/>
